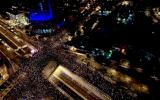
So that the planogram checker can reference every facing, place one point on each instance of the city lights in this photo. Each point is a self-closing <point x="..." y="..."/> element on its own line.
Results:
<point x="79" y="49"/>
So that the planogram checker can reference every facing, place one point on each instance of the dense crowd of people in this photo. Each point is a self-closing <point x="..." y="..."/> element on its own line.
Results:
<point x="34" y="86"/>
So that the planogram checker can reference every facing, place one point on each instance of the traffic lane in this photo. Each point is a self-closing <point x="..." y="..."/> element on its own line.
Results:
<point x="8" y="53"/>
<point x="10" y="38"/>
<point x="17" y="32"/>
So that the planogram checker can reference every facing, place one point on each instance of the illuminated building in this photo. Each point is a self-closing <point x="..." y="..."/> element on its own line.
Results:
<point x="42" y="19"/>
<point x="43" y="12"/>
<point x="19" y="20"/>
<point x="40" y="16"/>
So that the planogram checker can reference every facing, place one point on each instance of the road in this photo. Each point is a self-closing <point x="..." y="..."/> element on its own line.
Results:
<point x="9" y="38"/>
<point x="11" y="84"/>
<point x="17" y="32"/>
<point x="17" y="40"/>
<point x="113" y="75"/>
<point x="12" y="48"/>
<point x="8" y="53"/>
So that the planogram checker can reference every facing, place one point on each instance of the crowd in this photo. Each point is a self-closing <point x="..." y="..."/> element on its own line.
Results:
<point x="34" y="86"/>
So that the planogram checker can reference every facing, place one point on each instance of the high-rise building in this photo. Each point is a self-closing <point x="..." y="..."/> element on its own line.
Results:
<point x="42" y="17"/>
<point x="42" y="11"/>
